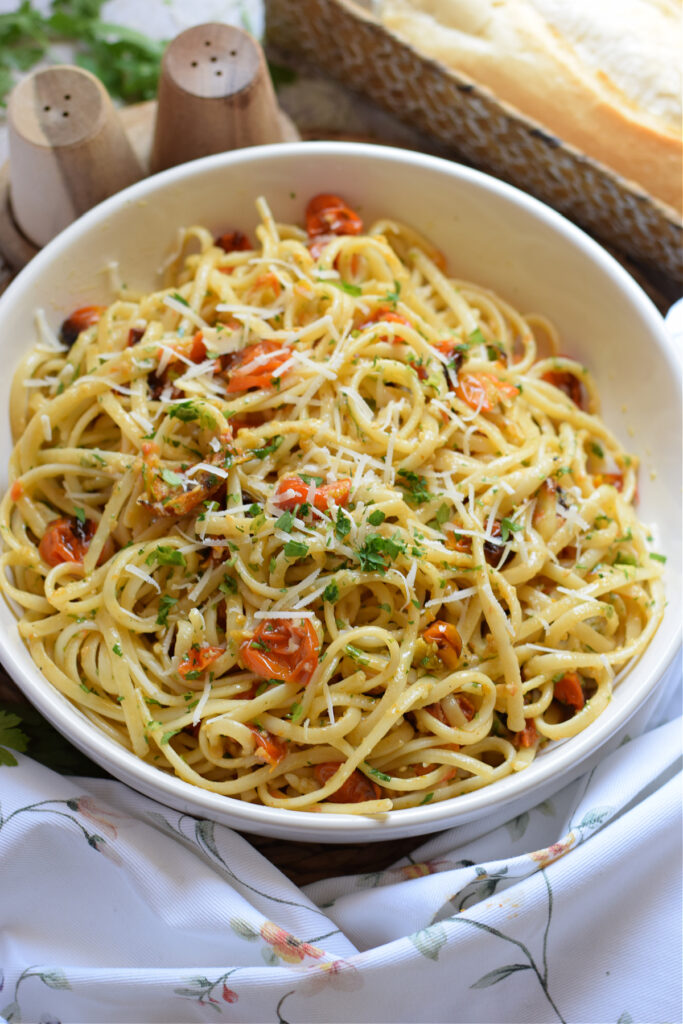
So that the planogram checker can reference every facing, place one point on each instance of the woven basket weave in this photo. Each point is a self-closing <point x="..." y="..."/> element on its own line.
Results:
<point x="352" y="46"/>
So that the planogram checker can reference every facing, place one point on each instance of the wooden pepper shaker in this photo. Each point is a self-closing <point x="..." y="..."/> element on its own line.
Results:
<point x="68" y="150"/>
<point x="215" y="94"/>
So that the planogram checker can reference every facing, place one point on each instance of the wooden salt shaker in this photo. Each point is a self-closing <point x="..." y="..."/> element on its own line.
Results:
<point x="68" y="151"/>
<point x="215" y="94"/>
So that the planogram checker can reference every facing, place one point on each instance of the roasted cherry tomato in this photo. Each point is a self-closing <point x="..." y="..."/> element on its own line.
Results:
<point x="67" y="539"/>
<point x="297" y="489"/>
<point x="81" y="318"/>
<point x="280" y="649"/>
<point x="198" y="659"/>
<point x="447" y="640"/>
<point x="270" y="748"/>
<point x="568" y="690"/>
<point x="528" y="736"/>
<point x="355" y="790"/>
<point x="233" y="241"/>
<point x="483" y="390"/>
<point x="615" y="479"/>
<point x="329" y="215"/>
<point x="567" y="383"/>
<point x="253" y="370"/>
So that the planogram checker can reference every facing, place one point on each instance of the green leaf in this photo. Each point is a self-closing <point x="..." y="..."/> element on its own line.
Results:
<point x="382" y="776"/>
<point x="597" y="450"/>
<point x="169" y="735"/>
<point x="11" y="736"/>
<point x="165" y="605"/>
<point x="415" y="487"/>
<point x="80" y="514"/>
<point x="178" y="297"/>
<point x="295" y="712"/>
<point x="243" y="928"/>
<point x="164" y="554"/>
<point x="356" y="654"/>
<point x="228" y="585"/>
<point x="308" y="479"/>
<point x="499" y="974"/>
<point x="117" y="650"/>
<point x="376" y="518"/>
<point x="508" y="526"/>
<point x="443" y="514"/>
<point x="429" y="941"/>
<point x="658" y="558"/>
<point x="54" y="979"/>
<point x="285" y="522"/>
<point x="343" y="286"/>
<point x="272" y="446"/>
<point x="188" y="410"/>
<point x="426" y="799"/>
<point x="295" y="549"/>
<point x="518" y="826"/>
<point x="372" y="554"/>
<point x="331" y="592"/>
<point x="169" y="477"/>
<point x="342" y="526"/>
<point x="394" y="296"/>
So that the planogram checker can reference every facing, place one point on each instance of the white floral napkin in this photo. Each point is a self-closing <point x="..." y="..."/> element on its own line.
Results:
<point x="116" y="909"/>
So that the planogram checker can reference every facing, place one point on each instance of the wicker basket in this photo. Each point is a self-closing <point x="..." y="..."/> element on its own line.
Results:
<point x="347" y="42"/>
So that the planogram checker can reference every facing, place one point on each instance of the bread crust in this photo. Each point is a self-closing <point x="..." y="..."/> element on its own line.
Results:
<point x="509" y="47"/>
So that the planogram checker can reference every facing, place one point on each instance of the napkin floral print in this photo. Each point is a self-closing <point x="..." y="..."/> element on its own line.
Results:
<point x="166" y="888"/>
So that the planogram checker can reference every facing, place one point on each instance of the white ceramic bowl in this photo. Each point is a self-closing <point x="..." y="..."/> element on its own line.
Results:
<point x="491" y="234"/>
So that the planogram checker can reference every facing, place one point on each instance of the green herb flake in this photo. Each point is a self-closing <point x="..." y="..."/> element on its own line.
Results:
<point x="356" y="654"/>
<point x="426" y="799"/>
<point x="342" y="525"/>
<point x="507" y="527"/>
<point x="171" y="478"/>
<point x="272" y="446"/>
<point x="331" y="592"/>
<point x="285" y="522"/>
<point x="657" y="557"/>
<point x="80" y="514"/>
<point x="415" y="487"/>
<point x="165" y="605"/>
<point x="117" y="650"/>
<point x="295" y="549"/>
<point x="164" y="554"/>
<point x="382" y="776"/>
<point x="376" y="518"/>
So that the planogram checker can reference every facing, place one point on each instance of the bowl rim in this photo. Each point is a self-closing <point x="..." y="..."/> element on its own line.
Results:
<point x="564" y="756"/>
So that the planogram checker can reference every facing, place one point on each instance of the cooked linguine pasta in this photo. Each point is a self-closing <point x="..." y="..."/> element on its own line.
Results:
<point x="318" y="526"/>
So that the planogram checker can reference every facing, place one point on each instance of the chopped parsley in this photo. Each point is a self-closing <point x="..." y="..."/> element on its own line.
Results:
<point x="165" y="605"/>
<point x="80" y="514"/>
<point x="169" y="477"/>
<point x="285" y="522"/>
<point x="272" y="446"/>
<point x="415" y="487"/>
<point x="189" y="410"/>
<point x="658" y="558"/>
<point x="376" y="518"/>
<point x="117" y="650"/>
<point x="342" y="525"/>
<point x="382" y="776"/>
<point x="597" y="450"/>
<point x="295" y="549"/>
<point x="507" y="527"/>
<point x="356" y="654"/>
<point x="331" y="592"/>
<point x="228" y="585"/>
<point x="343" y="286"/>
<point x="394" y="296"/>
<point x="164" y="554"/>
<point x="374" y="553"/>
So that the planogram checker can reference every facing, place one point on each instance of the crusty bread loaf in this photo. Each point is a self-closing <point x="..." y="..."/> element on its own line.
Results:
<point x="602" y="75"/>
